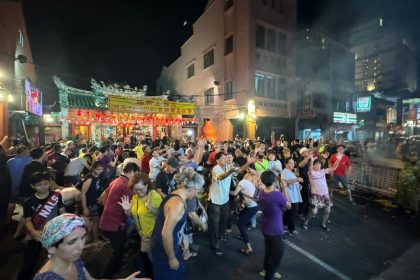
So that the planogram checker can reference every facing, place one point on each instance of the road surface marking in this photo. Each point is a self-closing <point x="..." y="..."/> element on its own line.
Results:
<point x="318" y="261"/>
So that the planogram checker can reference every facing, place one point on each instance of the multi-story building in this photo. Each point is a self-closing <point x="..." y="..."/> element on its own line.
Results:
<point x="239" y="66"/>
<point x="15" y="50"/>
<point x="384" y="57"/>
<point x="386" y="67"/>
<point x="324" y="80"/>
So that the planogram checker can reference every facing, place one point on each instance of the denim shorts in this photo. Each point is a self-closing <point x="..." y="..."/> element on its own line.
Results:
<point x="340" y="179"/>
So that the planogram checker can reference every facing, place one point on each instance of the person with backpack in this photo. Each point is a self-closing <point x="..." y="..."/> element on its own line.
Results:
<point x="91" y="190"/>
<point x="249" y="193"/>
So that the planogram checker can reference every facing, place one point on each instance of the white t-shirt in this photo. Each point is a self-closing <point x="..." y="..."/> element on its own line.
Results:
<point x="154" y="165"/>
<point x="248" y="188"/>
<point x="276" y="167"/>
<point x="318" y="181"/>
<point x="75" y="166"/>
<point x="219" y="189"/>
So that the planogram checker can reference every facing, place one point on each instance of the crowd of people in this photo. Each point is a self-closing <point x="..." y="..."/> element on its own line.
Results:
<point x="73" y="194"/>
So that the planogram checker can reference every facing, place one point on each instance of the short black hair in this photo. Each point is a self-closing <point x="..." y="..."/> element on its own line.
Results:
<point x="36" y="153"/>
<point x="268" y="178"/>
<point x="39" y="177"/>
<point x="219" y="155"/>
<point x="341" y="145"/>
<point x="286" y="161"/>
<point x="130" y="167"/>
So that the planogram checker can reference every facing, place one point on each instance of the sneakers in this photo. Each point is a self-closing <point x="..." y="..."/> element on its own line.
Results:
<point x="276" y="275"/>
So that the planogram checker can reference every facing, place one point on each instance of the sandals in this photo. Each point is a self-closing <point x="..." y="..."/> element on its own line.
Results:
<point x="245" y="251"/>
<point x="191" y="256"/>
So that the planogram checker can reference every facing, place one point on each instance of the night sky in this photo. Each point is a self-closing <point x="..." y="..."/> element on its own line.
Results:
<point x="128" y="41"/>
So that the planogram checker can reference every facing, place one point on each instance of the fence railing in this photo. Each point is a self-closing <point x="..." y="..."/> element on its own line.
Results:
<point x="380" y="179"/>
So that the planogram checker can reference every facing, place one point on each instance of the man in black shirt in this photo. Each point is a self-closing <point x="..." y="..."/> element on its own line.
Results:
<point x="36" y="165"/>
<point x="58" y="161"/>
<point x="165" y="182"/>
<point x="303" y="165"/>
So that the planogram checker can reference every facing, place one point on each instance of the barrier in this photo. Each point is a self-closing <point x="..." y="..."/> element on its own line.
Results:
<point x="379" y="179"/>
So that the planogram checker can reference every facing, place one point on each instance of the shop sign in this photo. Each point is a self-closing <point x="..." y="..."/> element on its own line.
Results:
<point x="391" y="116"/>
<point x="345" y="118"/>
<point x="149" y="106"/>
<point x="412" y="114"/>
<point x="364" y="104"/>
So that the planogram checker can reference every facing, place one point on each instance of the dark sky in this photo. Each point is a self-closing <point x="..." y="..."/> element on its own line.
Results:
<point x="128" y="41"/>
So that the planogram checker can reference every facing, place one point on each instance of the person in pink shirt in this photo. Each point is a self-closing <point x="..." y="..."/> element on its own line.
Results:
<point x="319" y="191"/>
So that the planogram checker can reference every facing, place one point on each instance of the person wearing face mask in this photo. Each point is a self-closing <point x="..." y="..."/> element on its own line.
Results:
<point x="64" y="239"/>
<point x="143" y="207"/>
<point x="262" y="163"/>
<point x="166" y="241"/>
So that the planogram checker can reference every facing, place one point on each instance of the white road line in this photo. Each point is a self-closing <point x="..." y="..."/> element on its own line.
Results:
<point x="328" y="267"/>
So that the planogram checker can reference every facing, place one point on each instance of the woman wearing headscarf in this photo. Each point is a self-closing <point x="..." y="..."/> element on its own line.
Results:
<point x="64" y="238"/>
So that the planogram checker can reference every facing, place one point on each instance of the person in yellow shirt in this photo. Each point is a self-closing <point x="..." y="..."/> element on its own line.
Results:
<point x="143" y="208"/>
<point x="139" y="150"/>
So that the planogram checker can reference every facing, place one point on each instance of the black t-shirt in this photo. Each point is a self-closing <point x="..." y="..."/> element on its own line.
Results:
<point x="33" y="205"/>
<point x="25" y="189"/>
<point x="241" y="161"/>
<point x="165" y="182"/>
<point x="58" y="162"/>
<point x="95" y="190"/>
<point x="303" y="171"/>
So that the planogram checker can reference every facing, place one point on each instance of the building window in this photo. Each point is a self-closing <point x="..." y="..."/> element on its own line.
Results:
<point x="281" y="88"/>
<point x="270" y="87"/>
<point x="228" y="4"/>
<point x="271" y="40"/>
<point x="282" y="42"/>
<point x="259" y="84"/>
<point x="209" y="97"/>
<point x="228" y="90"/>
<point x="190" y="71"/>
<point x="229" y="44"/>
<point x="260" y="37"/>
<point x="20" y="38"/>
<point x="208" y="59"/>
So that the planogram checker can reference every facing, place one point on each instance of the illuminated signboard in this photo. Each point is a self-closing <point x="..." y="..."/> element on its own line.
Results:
<point x="345" y="118"/>
<point x="33" y="99"/>
<point x="364" y="104"/>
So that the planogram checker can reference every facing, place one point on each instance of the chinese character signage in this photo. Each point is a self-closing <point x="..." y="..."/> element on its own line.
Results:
<point x="345" y="118"/>
<point x="364" y="104"/>
<point x="33" y="99"/>
<point x="154" y="106"/>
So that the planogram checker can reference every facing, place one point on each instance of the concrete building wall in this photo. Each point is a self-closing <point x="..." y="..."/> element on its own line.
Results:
<point x="14" y="41"/>
<point x="239" y="66"/>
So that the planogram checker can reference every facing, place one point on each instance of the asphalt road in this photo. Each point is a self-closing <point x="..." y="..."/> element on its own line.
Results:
<point x="365" y="242"/>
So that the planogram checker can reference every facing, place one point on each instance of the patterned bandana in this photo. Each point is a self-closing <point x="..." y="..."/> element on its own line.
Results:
<point x="59" y="227"/>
